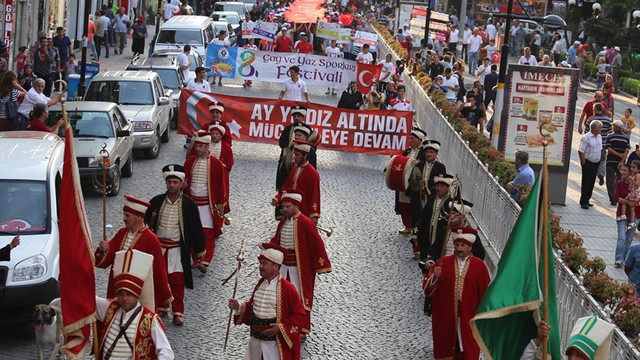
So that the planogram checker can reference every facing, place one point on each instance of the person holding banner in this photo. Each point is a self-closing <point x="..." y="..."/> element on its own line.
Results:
<point x="304" y="46"/>
<point x="283" y="43"/>
<point x="364" y="56"/>
<point x="294" y="88"/>
<point x="222" y="41"/>
<point x="400" y="102"/>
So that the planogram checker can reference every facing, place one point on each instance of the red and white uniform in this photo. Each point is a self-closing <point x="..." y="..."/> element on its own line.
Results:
<point x="206" y="185"/>
<point x="306" y="180"/>
<point x="306" y="256"/>
<point x="397" y="104"/>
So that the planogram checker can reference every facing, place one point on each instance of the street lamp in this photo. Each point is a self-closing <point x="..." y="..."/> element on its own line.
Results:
<point x="597" y="8"/>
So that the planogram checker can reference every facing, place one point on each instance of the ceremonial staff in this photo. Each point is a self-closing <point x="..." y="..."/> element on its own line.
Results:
<point x="240" y="259"/>
<point x="545" y="237"/>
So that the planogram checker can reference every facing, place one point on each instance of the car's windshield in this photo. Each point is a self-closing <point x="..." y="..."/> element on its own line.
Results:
<point x="86" y="123"/>
<point x="231" y="18"/>
<point x="220" y="27"/>
<point x="167" y="36"/>
<point x="23" y="207"/>
<point x="169" y="77"/>
<point x="121" y="92"/>
<point x="194" y="61"/>
<point x="230" y="7"/>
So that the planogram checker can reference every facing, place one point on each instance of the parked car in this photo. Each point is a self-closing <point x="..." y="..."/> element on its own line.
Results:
<point x="96" y="124"/>
<point x="175" y="33"/>
<point x="170" y="74"/>
<point x="224" y="25"/>
<point x="30" y="177"/>
<point x="194" y="57"/>
<point x="143" y="99"/>
<point x="231" y="17"/>
<point x="530" y="26"/>
<point x="235" y="6"/>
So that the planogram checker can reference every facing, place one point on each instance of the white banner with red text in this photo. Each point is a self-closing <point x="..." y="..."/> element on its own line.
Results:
<point x="383" y="132"/>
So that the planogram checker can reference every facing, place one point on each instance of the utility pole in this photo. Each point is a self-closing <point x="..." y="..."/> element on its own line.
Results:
<point x="82" y="86"/>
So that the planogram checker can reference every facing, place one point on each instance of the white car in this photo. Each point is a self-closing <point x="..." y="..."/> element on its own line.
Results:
<point x="30" y="176"/>
<point x="194" y="57"/>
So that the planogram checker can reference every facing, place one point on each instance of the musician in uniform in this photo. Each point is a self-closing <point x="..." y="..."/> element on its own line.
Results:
<point x="274" y="312"/>
<point x="456" y="210"/>
<point x="306" y="255"/>
<point x="403" y="200"/>
<point x="216" y="110"/>
<point x="298" y="131"/>
<point x="175" y="219"/>
<point x="304" y="178"/>
<point x="128" y="329"/>
<point x="136" y="235"/>
<point x="205" y="183"/>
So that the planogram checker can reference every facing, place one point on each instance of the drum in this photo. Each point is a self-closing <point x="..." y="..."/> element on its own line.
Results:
<point x="399" y="172"/>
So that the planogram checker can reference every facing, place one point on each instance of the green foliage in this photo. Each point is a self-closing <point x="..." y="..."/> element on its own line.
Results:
<point x="630" y="86"/>
<point x="601" y="29"/>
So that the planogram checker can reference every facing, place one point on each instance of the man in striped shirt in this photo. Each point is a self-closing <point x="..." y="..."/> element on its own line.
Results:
<point x="617" y="147"/>
<point x="205" y="183"/>
<point x="274" y="311"/>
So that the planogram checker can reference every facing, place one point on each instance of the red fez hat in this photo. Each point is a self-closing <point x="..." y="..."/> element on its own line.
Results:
<point x="292" y="196"/>
<point x="135" y="206"/>
<point x="302" y="146"/>
<point x="464" y="234"/>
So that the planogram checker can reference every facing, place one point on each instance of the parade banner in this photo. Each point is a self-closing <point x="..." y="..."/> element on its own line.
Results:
<point x="535" y="97"/>
<point x="263" y="30"/>
<point x="362" y="37"/>
<point x="331" y="31"/>
<point x="256" y="65"/>
<point x="262" y="121"/>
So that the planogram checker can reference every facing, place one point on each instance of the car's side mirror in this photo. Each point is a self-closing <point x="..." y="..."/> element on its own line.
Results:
<point x="164" y="100"/>
<point x="123" y="133"/>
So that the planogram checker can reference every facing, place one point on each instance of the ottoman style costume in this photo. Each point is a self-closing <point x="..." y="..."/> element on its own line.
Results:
<point x="144" y="240"/>
<point x="178" y="227"/>
<point x="206" y="185"/>
<point x="306" y="180"/>
<point x="404" y="201"/>
<point x="138" y="333"/>
<point x="272" y="302"/>
<point x="306" y="255"/>
<point x="456" y="295"/>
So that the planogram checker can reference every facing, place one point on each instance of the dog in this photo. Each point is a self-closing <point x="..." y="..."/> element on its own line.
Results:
<point x="48" y="327"/>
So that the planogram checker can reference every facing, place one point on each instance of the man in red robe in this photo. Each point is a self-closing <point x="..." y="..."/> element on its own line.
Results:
<point x="304" y="178"/>
<point x="274" y="311"/>
<point x="205" y="183"/>
<point x="456" y="283"/>
<point x="136" y="235"/>
<point x="306" y="255"/>
<point x="128" y="328"/>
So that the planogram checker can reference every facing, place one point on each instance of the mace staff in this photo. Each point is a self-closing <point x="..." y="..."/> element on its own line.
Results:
<point x="240" y="259"/>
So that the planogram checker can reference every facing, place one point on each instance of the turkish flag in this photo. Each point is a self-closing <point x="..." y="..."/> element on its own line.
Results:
<point x="77" y="277"/>
<point x="367" y="74"/>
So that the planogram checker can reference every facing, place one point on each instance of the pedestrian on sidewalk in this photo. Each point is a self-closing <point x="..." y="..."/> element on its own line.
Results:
<point x="617" y="148"/>
<point x="632" y="267"/>
<point x="623" y="215"/>
<point x="616" y="66"/>
<point x="598" y="114"/>
<point x="120" y="28"/>
<point x="590" y="152"/>
<point x="107" y="32"/>
<point x="474" y="48"/>
<point x="140" y="33"/>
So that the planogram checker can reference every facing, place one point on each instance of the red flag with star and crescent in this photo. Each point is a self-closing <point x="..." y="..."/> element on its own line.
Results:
<point x="77" y="276"/>
<point x="367" y="74"/>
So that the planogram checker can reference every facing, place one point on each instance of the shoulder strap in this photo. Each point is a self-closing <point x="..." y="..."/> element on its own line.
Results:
<point x="123" y="329"/>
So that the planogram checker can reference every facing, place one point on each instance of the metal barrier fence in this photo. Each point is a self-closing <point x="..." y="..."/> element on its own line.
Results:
<point x="496" y="212"/>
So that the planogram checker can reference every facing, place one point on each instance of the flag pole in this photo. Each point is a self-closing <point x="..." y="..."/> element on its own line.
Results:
<point x="240" y="259"/>
<point x="545" y="238"/>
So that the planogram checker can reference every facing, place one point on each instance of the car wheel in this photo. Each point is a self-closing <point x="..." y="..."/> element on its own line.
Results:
<point x="127" y="169"/>
<point x="154" y="151"/>
<point x="165" y="136"/>
<point x="115" y="184"/>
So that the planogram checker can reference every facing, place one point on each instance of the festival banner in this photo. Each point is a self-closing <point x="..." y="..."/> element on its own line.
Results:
<point x="268" y="66"/>
<point x="265" y="30"/>
<point x="383" y="132"/>
<point x="362" y="37"/>
<point x="221" y="60"/>
<point x="331" y="31"/>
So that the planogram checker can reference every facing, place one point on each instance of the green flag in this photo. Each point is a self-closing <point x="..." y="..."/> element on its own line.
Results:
<point x="505" y="320"/>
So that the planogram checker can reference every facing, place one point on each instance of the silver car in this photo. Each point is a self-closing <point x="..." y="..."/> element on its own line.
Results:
<point x="96" y="124"/>
<point x="194" y="57"/>
<point x="143" y="99"/>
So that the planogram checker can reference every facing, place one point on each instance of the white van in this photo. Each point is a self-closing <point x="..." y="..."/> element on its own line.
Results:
<point x="197" y="31"/>
<point x="30" y="176"/>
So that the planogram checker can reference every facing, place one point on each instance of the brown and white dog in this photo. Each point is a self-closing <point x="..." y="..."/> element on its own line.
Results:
<point x="48" y="325"/>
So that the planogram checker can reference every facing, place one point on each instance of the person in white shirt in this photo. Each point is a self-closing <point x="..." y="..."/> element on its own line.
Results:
<point x="399" y="102"/>
<point x="484" y="69"/>
<point x="168" y="10"/>
<point x="527" y="58"/>
<point x="198" y="83"/>
<point x="491" y="30"/>
<point x="333" y="51"/>
<point x="451" y="83"/>
<point x="385" y="73"/>
<point x="512" y="37"/>
<point x="474" y="47"/>
<point x="466" y="36"/>
<point x="184" y="62"/>
<point x="294" y="88"/>
<point x="491" y="48"/>
<point x="364" y="56"/>
<point x="453" y="40"/>
<point x="220" y="40"/>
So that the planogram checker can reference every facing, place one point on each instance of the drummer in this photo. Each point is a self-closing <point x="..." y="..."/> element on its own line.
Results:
<point x="403" y="199"/>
